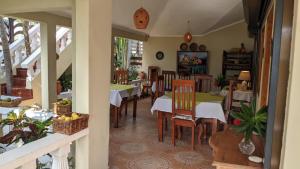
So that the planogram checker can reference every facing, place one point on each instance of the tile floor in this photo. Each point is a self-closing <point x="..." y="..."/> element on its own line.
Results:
<point x="134" y="145"/>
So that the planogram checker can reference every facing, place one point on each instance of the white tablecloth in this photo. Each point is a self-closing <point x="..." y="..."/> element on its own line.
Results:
<point x="65" y="95"/>
<point x="203" y="109"/>
<point x="116" y="96"/>
<point x="243" y="95"/>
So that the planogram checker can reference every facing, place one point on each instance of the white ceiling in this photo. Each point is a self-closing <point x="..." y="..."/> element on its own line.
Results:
<point x="169" y="17"/>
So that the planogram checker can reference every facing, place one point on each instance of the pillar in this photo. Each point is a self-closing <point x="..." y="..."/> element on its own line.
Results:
<point x="48" y="64"/>
<point x="92" y="79"/>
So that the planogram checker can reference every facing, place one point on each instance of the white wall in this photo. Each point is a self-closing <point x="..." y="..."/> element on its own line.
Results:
<point x="224" y="39"/>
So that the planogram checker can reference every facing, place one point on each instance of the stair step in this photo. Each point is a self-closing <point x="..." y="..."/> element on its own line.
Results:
<point x="22" y="92"/>
<point x="21" y="72"/>
<point x="3" y="89"/>
<point x="18" y="91"/>
<point x="19" y="82"/>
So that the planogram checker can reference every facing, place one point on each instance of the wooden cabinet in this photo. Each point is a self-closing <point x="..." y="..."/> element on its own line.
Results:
<point x="234" y="62"/>
<point x="226" y="152"/>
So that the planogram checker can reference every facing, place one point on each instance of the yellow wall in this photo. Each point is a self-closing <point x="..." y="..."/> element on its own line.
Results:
<point x="291" y="137"/>
<point x="216" y="42"/>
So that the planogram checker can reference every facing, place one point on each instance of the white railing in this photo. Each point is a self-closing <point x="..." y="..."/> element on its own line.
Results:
<point x="24" y="157"/>
<point x="17" y="49"/>
<point x="33" y="62"/>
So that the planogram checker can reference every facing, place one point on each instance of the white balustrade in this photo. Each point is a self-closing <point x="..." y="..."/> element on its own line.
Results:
<point x="60" y="157"/>
<point x="63" y="39"/>
<point x="17" y="50"/>
<point x="24" y="157"/>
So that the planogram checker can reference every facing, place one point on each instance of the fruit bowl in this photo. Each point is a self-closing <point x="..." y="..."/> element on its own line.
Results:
<point x="70" y="123"/>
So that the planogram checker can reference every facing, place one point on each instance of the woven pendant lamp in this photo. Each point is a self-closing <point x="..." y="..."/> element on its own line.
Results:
<point x="141" y="18"/>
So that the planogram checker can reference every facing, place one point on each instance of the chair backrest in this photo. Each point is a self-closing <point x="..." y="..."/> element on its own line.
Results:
<point x="152" y="73"/>
<point x="160" y="88"/>
<point x="183" y="98"/>
<point x="232" y="87"/>
<point x="169" y="76"/>
<point x="184" y="76"/>
<point x="121" y="76"/>
<point x="204" y="83"/>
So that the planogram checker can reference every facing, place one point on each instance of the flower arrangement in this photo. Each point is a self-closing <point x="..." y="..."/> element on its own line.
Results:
<point x="220" y="81"/>
<point x="250" y="121"/>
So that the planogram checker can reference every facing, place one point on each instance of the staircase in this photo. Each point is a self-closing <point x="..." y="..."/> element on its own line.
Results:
<point x="19" y="85"/>
<point x="27" y="69"/>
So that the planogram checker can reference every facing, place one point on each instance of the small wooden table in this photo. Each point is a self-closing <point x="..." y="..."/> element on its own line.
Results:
<point x="226" y="152"/>
<point x="119" y="95"/>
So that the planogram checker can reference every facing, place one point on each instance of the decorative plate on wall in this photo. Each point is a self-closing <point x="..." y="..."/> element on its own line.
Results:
<point x="202" y="47"/>
<point x="193" y="46"/>
<point x="184" y="47"/>
<point x="159" y="55"/>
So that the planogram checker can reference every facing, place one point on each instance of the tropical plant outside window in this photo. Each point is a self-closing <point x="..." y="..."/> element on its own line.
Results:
<point x="128" y="55"/>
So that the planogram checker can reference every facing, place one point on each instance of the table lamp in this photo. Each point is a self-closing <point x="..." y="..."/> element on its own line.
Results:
<point x="245" y="77"/>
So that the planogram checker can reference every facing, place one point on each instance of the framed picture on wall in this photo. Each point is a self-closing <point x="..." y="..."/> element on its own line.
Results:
<point x="189" y="62"/>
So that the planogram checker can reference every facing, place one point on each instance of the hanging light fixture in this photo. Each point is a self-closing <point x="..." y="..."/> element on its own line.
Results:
<point x="188" y="35"/>
<point x="141" y="18"/>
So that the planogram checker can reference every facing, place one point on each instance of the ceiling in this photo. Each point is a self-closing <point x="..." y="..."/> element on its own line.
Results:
<point x="170" y="17"/>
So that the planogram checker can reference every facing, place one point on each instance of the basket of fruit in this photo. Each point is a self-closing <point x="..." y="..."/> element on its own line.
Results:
<point x="9" y="102"/>
<point x="63" y="107"/>
<point x="70" y="123"/>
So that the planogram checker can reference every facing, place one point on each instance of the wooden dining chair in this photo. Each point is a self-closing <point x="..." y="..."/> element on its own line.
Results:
<point x="204" y="83"/>
<point x="151" y="77"/>
<point x="169" y="76"/>
<point x="183" y="107"/>
<point x="184" y="76"/>
<point x="159" y="88"/>
<point x="121" y="76"/>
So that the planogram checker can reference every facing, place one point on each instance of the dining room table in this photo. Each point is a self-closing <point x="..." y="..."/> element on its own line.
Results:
<point x="119" y="95"/>
<point x="208" y="106"/>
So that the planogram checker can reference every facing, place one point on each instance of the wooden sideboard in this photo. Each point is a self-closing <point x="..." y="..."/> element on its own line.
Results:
<point x="226" y="152"/>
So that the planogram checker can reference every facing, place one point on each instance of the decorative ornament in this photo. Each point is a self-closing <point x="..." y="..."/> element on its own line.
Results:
<point x="184" y="47"/>
<point x="188" y="35"/>
<point x="193" y="46"/>
<point x="202" y="47"/>
<point x="160" y="55"/>
<point x="141" y="18"/>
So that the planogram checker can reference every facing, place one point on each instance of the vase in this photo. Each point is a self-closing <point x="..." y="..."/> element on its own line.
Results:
<point x="246" y="147"/>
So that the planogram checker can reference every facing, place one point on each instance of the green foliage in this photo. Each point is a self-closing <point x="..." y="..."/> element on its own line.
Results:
<point x="120" y="51"/>
<point x="132" y="73"/>
<point x="251" y="121"/>
<point x="66" y="81"/>
<point x="21" y="123"/>
<point x="220" y="80"/>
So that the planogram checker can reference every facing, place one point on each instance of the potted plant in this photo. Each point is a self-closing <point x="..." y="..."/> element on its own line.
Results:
<point x="249" y="122"/>
<point x="24" y="130"/>
<point x="20" y="124"/>
<point x="220" y="81"/>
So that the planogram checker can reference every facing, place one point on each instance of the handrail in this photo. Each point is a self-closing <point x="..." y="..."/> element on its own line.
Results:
<point x="14" y="46"/>
<point x="36" y="55"/>
<point x="28" y="153"/>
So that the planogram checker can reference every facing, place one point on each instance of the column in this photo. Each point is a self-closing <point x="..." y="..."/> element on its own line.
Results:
<point x="48" y="64"/>
<point x="93" y="51"/>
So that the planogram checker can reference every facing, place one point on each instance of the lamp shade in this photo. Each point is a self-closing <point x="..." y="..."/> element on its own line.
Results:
<point x="244" y="75"/>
